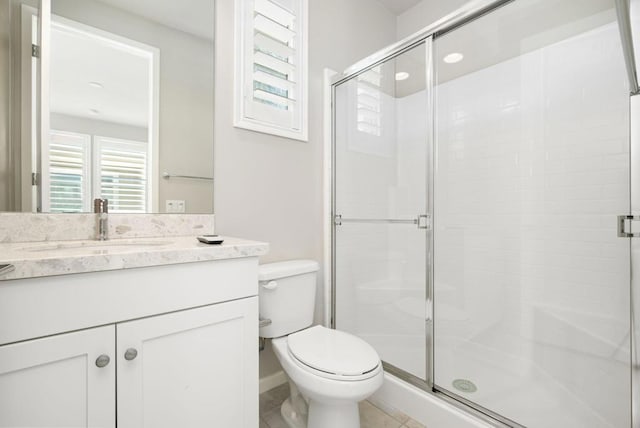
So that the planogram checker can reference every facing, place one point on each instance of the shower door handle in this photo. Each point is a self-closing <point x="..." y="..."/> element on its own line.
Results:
<point x="423" y="221"/>
<point x="622" y="226"/>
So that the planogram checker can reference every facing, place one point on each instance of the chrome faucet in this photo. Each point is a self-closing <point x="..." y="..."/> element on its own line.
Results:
<point x="101" y="207"/>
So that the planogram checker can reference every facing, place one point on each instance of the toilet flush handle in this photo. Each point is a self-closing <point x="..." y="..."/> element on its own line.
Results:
<point x="271" y="285"/>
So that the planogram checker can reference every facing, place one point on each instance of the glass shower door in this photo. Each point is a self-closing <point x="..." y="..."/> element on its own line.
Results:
<point x="381" y="149"/>
<point x="531" y="282"/>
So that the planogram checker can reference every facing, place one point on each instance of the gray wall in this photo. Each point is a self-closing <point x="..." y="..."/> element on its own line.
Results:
<point x="270" y="188"/>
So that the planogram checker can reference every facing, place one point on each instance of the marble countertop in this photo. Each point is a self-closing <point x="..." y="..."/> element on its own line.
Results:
<point x="38" y="259"/>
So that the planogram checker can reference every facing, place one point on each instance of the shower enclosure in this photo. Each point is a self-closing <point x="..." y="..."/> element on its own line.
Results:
<point x="480" y="169"/>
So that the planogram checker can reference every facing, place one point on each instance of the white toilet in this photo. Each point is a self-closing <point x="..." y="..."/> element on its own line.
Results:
<point x="332" y="370"/>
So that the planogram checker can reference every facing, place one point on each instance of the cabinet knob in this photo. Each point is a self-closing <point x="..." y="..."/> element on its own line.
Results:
<point x="102" y="360"/>
<point x="130" y="354"/>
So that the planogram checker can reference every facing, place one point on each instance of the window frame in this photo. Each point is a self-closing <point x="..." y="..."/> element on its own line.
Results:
<point x="243" y="74"/>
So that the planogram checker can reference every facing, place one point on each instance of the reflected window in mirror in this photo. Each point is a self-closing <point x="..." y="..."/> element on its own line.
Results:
<point x="84" y="167"/>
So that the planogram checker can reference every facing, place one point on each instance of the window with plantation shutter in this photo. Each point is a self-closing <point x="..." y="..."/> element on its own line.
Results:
<point x="122" y="174"/>
<point x="80" y="170"/>
<point x="271" y="67"/>
<point x="69" y="172"/>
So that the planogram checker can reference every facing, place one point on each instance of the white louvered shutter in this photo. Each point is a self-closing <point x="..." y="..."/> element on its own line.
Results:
<point x="274" y="67"/>
<point x="369" y="102"/>
<point x="69" y="164"/>
<point x="122" y="174"/>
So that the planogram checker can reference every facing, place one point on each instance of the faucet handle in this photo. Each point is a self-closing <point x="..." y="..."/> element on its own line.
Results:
<point x="100" y="206"/>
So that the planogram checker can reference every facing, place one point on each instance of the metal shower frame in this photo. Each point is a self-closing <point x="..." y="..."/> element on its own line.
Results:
<point x="426" y="36"/>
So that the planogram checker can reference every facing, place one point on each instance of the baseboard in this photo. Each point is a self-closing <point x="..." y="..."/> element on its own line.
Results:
<point x="272" y="381"/>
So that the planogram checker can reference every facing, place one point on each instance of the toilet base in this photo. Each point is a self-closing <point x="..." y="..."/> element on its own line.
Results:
<point x="321" y="415"/>
<point x="333" y="416"/>
<point x="292" y="418"/>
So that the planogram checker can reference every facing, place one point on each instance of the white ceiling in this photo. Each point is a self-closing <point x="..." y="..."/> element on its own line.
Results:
<point x="506" y="33"/>
<point x="195" y="17"/>
<point x="399" y="6"/>
<point x="77" y="60"/>
<point x="516" y="29"/>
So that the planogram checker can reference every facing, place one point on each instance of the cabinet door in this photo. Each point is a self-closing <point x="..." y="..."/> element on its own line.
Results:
<point x="194" y="368"/>
<point x="55" y="381"/>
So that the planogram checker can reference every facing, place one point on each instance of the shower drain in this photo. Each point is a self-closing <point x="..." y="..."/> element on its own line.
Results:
<point x="464" y="385"/>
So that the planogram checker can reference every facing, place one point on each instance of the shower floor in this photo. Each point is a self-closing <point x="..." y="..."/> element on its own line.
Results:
<point x="569" y="371"/>
<point x="518" y="389"/>
<point x="507" y="385"/>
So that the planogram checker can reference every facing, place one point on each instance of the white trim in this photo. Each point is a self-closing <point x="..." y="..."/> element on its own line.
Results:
<point x="327" y="116"/>
<point x="240" y="119"/>
<point x="131" y="46"/>
<point x="267" y="383"/>
<point x="422" y="406"/>
<point x="44" y="31"/>
<point x="28" y="113"/>
<point x="153" y="131"/>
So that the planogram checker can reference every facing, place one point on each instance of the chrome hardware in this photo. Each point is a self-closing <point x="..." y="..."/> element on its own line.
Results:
<point x="130" y="354"/>
<point x="101" y="207"/>
<point x="4" y="269"/>
<point x="264" y="322"/>
<point x="102" y="360"/>
<point x="167" y="176"/>
<point x="626" y="36"/>
<point x="35" y="51"/>
<point x="423" y="221"/>
<point x="622" y="226"/>
<point x="262" y="342"/>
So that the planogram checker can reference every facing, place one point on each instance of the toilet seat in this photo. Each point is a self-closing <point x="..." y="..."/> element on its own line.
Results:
<point x="333" y="354"/>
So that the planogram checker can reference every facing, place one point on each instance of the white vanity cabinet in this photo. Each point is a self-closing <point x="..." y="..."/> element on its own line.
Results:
<point x="55" y="381"/>
<point x="189" y="369"/>
<point x="178" y="342"/>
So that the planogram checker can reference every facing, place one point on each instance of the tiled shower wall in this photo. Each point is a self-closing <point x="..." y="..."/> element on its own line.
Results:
<point x="532" y="170"/>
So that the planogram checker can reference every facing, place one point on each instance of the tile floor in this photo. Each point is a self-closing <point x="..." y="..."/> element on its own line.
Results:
<point x="371" y="416"/>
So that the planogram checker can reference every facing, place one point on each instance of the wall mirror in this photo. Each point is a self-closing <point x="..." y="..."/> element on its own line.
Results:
<point x="106" y="99"/>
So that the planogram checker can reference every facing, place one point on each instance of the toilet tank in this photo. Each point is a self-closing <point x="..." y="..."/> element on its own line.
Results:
<point x="287" y="296"/>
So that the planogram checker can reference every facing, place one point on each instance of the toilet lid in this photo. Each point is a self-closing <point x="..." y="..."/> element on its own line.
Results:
<point x="333" y="351"/>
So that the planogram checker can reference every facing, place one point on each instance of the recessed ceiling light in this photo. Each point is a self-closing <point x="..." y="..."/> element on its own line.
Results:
<point x="96" y="85"/>
<point x="452" y="58"/>
<point x="402" y="75"/>
<point x="94" y="111"/>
